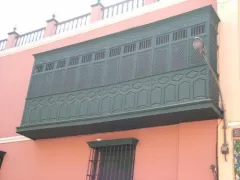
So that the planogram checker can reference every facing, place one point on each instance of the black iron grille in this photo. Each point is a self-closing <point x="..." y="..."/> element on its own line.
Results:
<point x="115" y="162"/>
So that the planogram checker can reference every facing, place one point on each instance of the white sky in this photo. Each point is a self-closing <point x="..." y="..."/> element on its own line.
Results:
<point x="28" y="15"/>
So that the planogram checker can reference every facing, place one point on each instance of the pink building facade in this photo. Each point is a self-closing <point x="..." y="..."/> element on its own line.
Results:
<point x="182" y="150"/>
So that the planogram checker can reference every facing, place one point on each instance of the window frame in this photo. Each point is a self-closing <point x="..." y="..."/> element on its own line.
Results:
<point x="110" y="158"/>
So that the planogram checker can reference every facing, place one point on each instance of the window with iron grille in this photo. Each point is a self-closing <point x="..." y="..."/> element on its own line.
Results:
<point x="112" y="159"/>
<point x="49" y="66"/>
<point x="38" y="68"/>
<point x="61" y="64"/>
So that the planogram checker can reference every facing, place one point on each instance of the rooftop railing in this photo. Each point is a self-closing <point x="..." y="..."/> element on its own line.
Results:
<point x="76" y="23"/>
<point x="121" y="8"/>
<point x="30" y="37"/>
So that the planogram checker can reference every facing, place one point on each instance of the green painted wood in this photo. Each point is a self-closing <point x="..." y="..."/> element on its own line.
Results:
<point x="170" y="88"/>
<point x="113" y="142"/>
<point x="138" y="70"/>
<point x="162" y="116"/>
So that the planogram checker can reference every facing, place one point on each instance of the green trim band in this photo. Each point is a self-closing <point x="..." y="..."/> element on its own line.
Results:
<point x="113" y="142"/>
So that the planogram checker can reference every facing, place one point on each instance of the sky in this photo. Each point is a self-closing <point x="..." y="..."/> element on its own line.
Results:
<point x="28" y="15"/>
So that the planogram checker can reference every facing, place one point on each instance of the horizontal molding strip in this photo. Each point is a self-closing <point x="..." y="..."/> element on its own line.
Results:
<point x="13" y="139"/>
<point x="233" y="123"/>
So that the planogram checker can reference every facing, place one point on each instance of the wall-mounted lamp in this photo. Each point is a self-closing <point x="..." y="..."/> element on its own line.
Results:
<point x="199" y="46"/>
<point x="2" y="154"/>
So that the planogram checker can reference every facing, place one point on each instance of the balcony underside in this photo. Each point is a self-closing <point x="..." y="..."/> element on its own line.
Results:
<point x="188" y="112"/>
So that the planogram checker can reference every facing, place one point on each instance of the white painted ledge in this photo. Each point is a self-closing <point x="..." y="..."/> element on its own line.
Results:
<point x="232" y="124"/>
<point x="138" y="12"/>
<point x="13" y="139"/>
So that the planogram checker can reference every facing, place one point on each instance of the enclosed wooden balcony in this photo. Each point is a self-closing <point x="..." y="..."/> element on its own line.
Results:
<point x="143" y="77"/>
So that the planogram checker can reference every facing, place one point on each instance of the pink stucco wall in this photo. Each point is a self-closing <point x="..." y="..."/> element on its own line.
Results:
<point x="178" y="152"/>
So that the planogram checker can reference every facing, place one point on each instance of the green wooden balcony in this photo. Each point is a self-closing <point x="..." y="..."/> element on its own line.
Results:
<point x="143" y="77"/>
